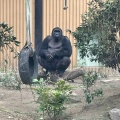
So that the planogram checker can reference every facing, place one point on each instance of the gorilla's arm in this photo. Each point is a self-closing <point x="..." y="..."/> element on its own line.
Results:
<point x="43" y="48"/>
<point x="66" y="48"/>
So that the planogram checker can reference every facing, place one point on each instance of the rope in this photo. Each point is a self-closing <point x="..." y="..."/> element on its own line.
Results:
<point x="65" y="5"/>
<point x="28" y="22"/>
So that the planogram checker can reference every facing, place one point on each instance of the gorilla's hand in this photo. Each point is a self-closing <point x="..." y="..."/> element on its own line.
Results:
<point x="48" y="56"/>
<point x="55" y="55"/>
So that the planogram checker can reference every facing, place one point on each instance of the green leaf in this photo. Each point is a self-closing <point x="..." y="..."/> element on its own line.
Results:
<point x="40" y="109"/>
<point x="17" y="43"/>
<point x="35" y="80"/>
<point x="6" y="61"/>
<point x="14" y="38"/>
<point x="41" y="80"/>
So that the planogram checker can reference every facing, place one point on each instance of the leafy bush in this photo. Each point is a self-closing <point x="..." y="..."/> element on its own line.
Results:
<point x="89" y="79"/>
<point x="99" y="33"/>
<point x="10" y="80"/>
<point x="7" y="38"/>
<point x="52" y="100"/>
<point x="7" y="41"/>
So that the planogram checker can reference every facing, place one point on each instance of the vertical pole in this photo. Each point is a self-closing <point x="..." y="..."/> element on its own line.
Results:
<point x="38" y="22"/>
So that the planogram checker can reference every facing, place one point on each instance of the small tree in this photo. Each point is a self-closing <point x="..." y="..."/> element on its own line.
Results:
<point x="98" y="35"/>
<point x="7" y="38"/>
<point x="52" y="100"/>
<point x="89" y="79"/>
<point x="8" y="41"/>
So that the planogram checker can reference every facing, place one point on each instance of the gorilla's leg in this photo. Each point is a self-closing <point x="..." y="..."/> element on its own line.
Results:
<point x="49" y="66"/>
<point x="57" y="64"/>
<point x="62" y="65"/>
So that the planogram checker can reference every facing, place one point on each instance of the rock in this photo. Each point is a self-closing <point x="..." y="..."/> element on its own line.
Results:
<point x="74" y="98"/>
<point x="115" y="114"/>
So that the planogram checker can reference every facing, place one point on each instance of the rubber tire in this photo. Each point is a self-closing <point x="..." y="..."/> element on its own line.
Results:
<point x="28" y="65"/>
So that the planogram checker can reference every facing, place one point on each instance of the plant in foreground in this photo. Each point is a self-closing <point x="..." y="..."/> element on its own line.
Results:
<point x="52" y="99"/>
<point x="8" y="39"/>
<point x="89" y="80"/>
<point x="10" y="79"/>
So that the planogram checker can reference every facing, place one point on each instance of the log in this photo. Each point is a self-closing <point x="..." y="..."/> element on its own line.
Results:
<point x="74" y="73"/>
<point x="68" y="75"/>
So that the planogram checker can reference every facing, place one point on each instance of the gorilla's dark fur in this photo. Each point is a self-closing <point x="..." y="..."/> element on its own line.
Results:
<point x="54" y="52"/>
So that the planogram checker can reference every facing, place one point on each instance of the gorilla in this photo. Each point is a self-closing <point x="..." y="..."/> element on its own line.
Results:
<point x="54" y="52"/>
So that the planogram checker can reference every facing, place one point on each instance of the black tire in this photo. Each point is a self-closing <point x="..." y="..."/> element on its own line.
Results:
<point x="28" y="65"/>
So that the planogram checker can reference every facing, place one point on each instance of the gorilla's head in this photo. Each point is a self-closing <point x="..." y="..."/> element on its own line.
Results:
<point x="57" y="33"/>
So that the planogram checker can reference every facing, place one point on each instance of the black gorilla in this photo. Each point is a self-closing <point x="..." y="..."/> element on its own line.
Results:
<point x="54" y="52"/>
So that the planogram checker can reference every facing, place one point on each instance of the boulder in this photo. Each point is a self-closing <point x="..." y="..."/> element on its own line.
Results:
<point x="115" y="114"/>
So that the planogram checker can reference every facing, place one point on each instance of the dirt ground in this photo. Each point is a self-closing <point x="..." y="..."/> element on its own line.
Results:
<point x="16" y="105"/>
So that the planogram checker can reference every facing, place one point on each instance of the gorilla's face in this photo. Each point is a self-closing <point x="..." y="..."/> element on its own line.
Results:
<point x="57" y="33"/>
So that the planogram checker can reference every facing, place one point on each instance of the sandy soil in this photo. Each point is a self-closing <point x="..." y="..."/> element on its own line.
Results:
<point x="16" y="105"/>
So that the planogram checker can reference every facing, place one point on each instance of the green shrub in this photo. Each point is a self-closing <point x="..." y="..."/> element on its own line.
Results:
<point x="89" y="79"/>
<point x="10" y="79"/>
<point x="7" y="38"/>
<point x="97" y="37"/>
<point x="52" y="99"/>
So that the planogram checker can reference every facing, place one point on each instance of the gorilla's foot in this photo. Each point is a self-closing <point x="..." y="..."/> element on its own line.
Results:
<point x="53" y="76"/>
<point x="61" y="73"/>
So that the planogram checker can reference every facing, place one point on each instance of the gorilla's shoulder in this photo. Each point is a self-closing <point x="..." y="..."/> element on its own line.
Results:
<point x="48" y="38"/>
<point x="66" y="38"/>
